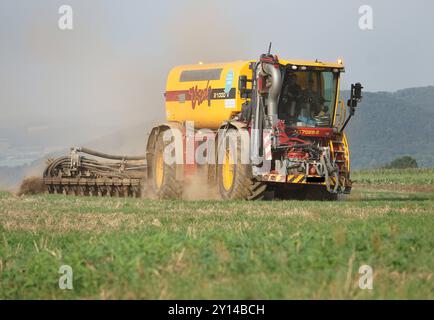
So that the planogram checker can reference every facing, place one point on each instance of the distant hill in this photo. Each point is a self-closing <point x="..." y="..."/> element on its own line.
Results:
<point x="387" y="125"/>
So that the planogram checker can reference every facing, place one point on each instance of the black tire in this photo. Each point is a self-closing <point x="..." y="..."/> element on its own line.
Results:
<point x="169" y="188"/>
<point x="244" y="186"/>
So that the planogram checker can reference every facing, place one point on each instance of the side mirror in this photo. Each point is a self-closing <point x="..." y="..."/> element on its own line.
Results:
<point x="358" y="91"/>
<point x="356" y="96"/>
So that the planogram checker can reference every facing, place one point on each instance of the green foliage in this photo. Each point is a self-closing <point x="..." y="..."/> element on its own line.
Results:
<point x="402" y="163"/>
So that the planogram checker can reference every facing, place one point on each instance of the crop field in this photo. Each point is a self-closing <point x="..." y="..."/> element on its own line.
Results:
<point x="397" y="177"/>
<point x="149" y="249"/>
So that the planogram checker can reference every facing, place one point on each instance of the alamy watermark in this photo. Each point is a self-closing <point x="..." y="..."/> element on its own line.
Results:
<point x="366" y="20"/>
<point x="366" y="280"/>
<point x="66" y="20"/>
<point x="205" y="146"/>
<point x="65" y="281"/>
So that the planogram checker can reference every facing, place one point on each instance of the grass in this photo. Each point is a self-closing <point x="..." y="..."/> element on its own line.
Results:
<point x="395" y="176"/>
<point x="139" y="248"/>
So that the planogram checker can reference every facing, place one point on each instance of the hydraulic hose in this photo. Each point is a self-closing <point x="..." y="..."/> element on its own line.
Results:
<point x="108" y="156"/>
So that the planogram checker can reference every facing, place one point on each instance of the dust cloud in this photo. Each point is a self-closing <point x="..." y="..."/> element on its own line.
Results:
<point x="101" y="85"/>
<point x="197" y="187"/>
<point x="104" y="77"/>
<point x="32" y="185"/>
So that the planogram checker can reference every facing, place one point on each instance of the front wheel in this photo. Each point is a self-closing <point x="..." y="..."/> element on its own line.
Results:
<point x="234" y="178"/>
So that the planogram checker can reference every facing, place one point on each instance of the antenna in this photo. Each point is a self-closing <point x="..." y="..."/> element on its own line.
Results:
<point x="269" y="48"/>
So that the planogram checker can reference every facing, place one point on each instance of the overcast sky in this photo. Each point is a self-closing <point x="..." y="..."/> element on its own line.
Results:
<point x="111" y="68"/>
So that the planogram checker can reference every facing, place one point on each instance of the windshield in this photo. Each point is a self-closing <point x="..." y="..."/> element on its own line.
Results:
<point x="308" y="98"/>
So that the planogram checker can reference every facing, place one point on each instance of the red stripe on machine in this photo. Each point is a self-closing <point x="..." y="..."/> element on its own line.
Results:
<point x="267" y="144"/>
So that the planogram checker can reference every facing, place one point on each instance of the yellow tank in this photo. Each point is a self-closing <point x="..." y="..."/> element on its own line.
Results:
<point x="205" y="93"/>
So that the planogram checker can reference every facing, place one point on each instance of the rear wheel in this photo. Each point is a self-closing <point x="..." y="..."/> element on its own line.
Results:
<point x="163" y="175"/>
<point x="234" y="178"/>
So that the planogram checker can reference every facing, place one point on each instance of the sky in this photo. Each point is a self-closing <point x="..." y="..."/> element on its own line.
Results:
<point x="109" y="72"/>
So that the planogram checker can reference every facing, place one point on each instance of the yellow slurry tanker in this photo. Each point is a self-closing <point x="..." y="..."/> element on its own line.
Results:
<point x="285" y="115"/>
<point x="290" y="112"/>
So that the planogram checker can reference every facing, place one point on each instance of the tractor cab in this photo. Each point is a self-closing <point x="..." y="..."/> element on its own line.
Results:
<point x="309" y="95"/>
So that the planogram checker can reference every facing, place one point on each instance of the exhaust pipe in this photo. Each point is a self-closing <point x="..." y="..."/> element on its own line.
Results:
<point x="268" y="69"/>
<point x="264" y="69"/>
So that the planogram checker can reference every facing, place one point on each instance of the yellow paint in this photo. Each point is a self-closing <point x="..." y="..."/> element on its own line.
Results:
<point x="227" y="171"/>
<point x="342" y="114"/>
<point x="338" y="86"/>
<point x="347" y="151"/>
<point x="300" y="177"/>
<point x="332" y="151"/>
<point x="159" y="169"/>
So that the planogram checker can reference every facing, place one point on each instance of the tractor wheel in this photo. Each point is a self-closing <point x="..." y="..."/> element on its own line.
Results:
<point x="235" y="179"/>
<point x="163" y="175"/>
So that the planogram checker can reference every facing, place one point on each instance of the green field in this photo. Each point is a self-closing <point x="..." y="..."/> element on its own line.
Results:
<point x="139" y="248"/>
<point x="399" y="177"/>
